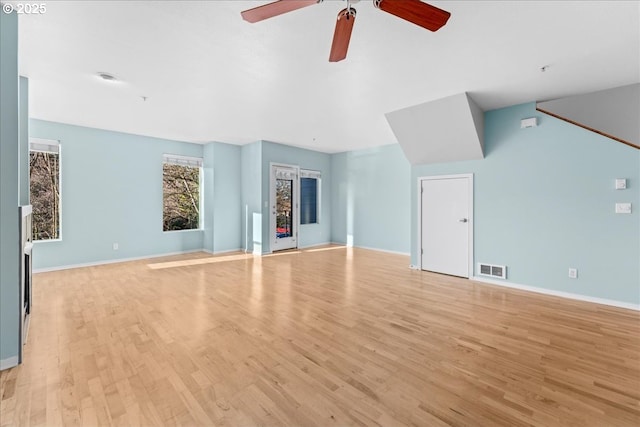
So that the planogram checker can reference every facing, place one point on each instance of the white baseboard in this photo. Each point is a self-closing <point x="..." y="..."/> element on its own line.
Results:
<point x="383" y="250"/>
<point x="226" y="251"/>
<point x="9" y="362"/>
<point x="112" y="261"/>
<point x="315" y="245"/>
<point x="569" y="295"/>
<point x="371" y="249"/>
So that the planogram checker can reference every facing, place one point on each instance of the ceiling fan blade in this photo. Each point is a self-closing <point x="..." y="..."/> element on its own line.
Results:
<point x="342" y="34"/>
<point x="422" y="14"/>
<point x="274" y="9"/>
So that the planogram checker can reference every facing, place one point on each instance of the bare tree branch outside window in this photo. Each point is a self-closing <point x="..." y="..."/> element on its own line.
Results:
<point x="45" y="194"/>
<point x="181" y="197"/>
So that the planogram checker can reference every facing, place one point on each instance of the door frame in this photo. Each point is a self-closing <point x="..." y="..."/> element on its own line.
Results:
<point x="272" y="200"/>
<point x="468" y="176"/>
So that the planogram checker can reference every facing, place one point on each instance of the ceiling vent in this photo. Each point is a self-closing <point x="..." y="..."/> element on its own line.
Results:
<point x="499" y="271"/>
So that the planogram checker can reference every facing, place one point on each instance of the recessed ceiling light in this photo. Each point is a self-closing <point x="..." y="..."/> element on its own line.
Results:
<point x="107" y="77"/>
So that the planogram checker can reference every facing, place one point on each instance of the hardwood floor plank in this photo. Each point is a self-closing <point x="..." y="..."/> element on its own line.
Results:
<point x="330" y="337"/>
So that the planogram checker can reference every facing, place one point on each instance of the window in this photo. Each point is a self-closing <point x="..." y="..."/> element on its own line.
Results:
<point x="309" y="197"/>
<point x="181" y="192"/>
<point x="44" y="188"/>
<point x="284" y="211"/>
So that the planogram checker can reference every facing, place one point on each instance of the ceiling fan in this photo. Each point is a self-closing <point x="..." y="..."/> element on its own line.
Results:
<point x="415" y="11"/>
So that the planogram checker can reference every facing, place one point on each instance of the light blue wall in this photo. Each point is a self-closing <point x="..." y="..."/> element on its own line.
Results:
<point x="251" y="188"/>
<point x="23" y="167"/>
<point x="544" y="202"/>
<point x="371" y="199"/>
<point x="227" y="181"/>
<point x="341" y="202"/>
<point x="9" y="158"/>
<point x="309" y="234"/>
<point x="111" y="192"/>
<point x="208" y="205"/>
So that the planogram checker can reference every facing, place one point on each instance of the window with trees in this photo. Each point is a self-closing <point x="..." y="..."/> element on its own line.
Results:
<point x="44" y="188"/>
<point x="309" y="197"/>
<point x="181" y="192"/>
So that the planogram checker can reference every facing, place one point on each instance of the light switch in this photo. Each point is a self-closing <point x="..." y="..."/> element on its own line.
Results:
<point x="623" y="208"/>
<point x="621" y="183"/>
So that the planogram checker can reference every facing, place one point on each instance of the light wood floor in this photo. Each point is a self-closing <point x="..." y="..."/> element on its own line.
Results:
<point x="332" y="337"/>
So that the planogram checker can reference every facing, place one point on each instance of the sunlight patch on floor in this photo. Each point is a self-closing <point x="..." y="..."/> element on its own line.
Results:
<point x="198" y="261"/>
<point x="234" y="257"/>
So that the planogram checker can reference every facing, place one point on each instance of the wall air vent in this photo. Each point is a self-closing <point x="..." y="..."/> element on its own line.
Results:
<point x="499" y="271"/>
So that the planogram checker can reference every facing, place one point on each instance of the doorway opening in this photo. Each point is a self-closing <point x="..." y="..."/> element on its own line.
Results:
<point x="284" y="205"/>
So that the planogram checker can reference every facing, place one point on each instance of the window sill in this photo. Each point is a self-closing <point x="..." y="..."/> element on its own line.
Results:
<point x="37" y="242"/>
<point x="182" y="231"/>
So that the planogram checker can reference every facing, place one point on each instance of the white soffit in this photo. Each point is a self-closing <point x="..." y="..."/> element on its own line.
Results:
<point x="445" y="130"/>
<point x="613" y="112"/>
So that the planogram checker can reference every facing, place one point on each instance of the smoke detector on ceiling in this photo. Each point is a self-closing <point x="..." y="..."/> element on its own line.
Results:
<point x="107" y="77"/>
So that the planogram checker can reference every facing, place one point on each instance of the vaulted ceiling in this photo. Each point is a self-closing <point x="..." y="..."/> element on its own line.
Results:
<point x="207" y="75"/>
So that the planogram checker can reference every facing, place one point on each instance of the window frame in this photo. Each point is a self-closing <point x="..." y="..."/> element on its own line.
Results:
<point x="187" y="161"/>
<point x="48" y="142"/>
<point x="317" y="176"/>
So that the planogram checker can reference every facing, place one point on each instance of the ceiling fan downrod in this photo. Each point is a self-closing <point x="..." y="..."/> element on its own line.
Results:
<point x="349" y="11"/>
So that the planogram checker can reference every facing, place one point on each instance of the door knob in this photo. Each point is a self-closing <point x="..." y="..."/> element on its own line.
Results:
<point x="463" y="220"/>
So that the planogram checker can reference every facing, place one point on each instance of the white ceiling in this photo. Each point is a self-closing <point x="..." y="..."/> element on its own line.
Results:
<point x="210" y="76"/>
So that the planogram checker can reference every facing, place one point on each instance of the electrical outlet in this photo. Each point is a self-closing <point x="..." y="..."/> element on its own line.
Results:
<point x="623" y="208"/>
<point x="115" y="246"/>
<point x="573" y="273"/>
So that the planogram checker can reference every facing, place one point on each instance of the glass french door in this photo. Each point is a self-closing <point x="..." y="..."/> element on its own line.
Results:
<point x="284" y="207"/>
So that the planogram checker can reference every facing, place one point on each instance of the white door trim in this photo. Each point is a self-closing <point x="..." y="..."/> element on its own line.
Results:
<point x="471" y="222"/>
<point x="272" y="200"/>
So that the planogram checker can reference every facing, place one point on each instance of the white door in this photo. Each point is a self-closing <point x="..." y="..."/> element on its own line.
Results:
<point x="284" y="207"/>
<point x="445" y="224"/>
